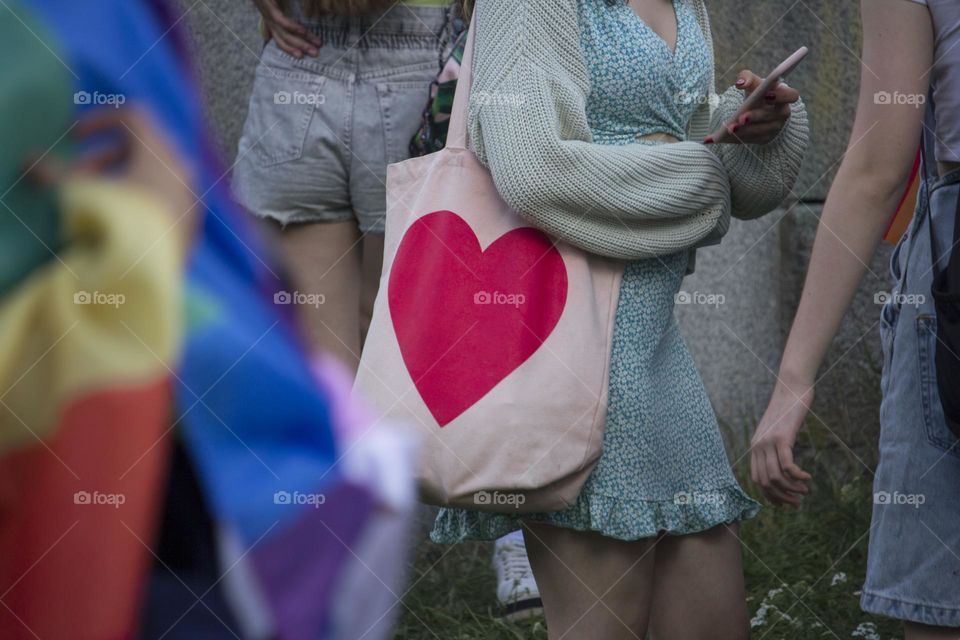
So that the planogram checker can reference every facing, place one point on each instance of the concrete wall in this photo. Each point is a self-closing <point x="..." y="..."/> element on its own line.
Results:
<point x="760" y="265"/>
<point x="227" y="43"/>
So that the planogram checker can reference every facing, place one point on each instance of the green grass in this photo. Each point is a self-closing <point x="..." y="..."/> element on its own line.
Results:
<point x="454" y="598"/>
<point x="804" y="568"/>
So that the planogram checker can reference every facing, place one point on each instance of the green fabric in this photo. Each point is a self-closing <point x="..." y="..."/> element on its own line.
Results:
<point x="432" y="134"/>
<point x="36" y="105"/>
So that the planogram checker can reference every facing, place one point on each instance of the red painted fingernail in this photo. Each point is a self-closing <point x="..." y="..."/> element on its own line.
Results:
<point x="708" y="140"/>
<point x="735" y="128"/>
<point x="771" y="96"/>
<point x="746" y="119"/>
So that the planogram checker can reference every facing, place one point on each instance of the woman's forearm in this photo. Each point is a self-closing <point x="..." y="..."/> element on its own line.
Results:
<point x="852" y="224"/>
<point x="897" y="53"/>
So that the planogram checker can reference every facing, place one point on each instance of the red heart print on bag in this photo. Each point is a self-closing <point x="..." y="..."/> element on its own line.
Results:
<point x="465" y="317"/>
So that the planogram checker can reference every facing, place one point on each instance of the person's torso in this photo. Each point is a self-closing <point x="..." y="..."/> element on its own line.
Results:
<point x="639" y="86"/>
<point x="945" y="77"/>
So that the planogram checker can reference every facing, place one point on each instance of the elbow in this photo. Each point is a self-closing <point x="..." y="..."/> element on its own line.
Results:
<point x="758" y="193"/>
<point x="522" y="191"/>
<point x="876" y="184"/>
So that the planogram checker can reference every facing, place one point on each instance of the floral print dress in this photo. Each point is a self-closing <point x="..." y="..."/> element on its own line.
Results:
<point x="663" y="466"/>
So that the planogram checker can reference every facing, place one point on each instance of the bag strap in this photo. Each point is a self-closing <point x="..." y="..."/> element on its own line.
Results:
<point x="930" y="175"/>
<point x="457" y="133"/>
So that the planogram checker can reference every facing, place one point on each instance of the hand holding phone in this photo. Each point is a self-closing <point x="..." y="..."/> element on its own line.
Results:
<point x="756" y="97"/>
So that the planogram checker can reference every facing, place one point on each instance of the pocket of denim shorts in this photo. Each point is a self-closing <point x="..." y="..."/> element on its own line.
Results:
<point x="401" y="109"/>
<point x="938" y="433"/>
<point x="281" y="107"/>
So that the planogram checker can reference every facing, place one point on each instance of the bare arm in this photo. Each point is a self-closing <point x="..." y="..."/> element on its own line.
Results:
<point x="897" y="56"/>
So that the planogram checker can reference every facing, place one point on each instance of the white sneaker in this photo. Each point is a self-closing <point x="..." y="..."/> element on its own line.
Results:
<point x="516" y="589"/>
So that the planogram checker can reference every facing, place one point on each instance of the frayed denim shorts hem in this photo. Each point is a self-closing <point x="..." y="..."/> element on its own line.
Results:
<point x="934" y="616"/>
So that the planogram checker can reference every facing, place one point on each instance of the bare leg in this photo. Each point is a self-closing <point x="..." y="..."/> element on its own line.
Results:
<point x="699" y="591"/>
<point x="324" y="259"/>
<point x="923" y="632"/>
<point x="593" y="587"/>
<point x="372" y="265"/>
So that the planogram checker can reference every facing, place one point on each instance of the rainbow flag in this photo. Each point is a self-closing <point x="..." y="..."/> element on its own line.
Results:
<point x="115" y="343"/>
<point x="85" y="407"/>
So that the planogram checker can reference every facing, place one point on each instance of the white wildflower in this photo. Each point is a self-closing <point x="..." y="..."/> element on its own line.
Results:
<point x="866" y="630"/>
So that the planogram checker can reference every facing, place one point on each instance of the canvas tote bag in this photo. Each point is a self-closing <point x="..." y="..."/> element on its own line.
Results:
<point x="488" y="337"/>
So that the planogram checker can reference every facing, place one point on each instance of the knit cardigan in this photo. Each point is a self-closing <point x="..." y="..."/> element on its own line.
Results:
<point x="631" y="201"/>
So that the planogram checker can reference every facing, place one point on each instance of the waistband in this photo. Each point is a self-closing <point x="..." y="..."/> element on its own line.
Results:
<point x="402" y="26"/>
<point x="947" y="179"/>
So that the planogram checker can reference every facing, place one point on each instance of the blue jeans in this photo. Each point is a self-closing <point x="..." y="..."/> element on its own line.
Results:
<point x="913" y="569"/>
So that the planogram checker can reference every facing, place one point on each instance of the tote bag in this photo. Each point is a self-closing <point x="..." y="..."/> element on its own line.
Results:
<point x="488" y="337"/>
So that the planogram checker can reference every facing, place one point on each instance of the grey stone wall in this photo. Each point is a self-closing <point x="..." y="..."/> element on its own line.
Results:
<point x="227" y="46"/>
<point x="759" y="267"/>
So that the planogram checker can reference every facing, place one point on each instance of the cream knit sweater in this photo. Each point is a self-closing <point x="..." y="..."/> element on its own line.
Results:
<point x="627" y="202"/>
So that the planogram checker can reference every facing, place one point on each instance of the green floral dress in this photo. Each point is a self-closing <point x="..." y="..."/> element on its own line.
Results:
<point x="663" y="466"/>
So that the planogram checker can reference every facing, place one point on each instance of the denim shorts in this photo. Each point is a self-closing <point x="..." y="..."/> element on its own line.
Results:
<point x="913" y="569"/>
<point x="320" y="132"/>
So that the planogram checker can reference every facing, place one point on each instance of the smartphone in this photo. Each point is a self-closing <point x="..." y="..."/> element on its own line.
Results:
<point x="755" y="99"/>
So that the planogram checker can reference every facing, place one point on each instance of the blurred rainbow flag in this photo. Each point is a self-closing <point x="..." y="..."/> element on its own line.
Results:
<point x="109" y="345"/>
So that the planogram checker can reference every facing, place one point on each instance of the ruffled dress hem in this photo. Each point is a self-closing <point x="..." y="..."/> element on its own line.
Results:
<point x="611" y="516"/>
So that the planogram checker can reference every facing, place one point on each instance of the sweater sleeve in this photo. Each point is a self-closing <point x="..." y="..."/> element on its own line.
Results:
<point x="761" y="176"/>
<point x="528" y="125"/>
